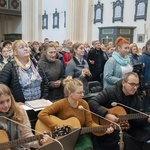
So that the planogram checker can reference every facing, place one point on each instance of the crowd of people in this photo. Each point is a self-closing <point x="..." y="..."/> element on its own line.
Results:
<point x="61" y="73"/>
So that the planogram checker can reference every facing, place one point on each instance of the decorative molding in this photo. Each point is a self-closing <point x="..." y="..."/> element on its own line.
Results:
<point x="4" y="4"/>
<point x="98" y="13"/>
<point x="118" y="11"/>
<point x="56" y="19"/>
<point x="140" y="9"/>
<point x="15" y="5"/>
<point x="10" y="7"/>
<point x="45" y="21"/>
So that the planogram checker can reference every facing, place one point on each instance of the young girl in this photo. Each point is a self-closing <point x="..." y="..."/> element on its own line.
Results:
<point x="10" y="109"/>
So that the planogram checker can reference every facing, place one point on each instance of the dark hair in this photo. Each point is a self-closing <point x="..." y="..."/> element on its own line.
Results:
<point x="126" y="76"/>
<point x="6" y="42"/>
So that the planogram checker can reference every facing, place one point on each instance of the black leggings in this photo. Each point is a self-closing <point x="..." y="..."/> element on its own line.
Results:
<point x="110" y="141"/>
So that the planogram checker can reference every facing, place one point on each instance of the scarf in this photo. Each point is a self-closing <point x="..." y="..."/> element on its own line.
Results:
<point x="25" y="67"/>
<point x="27" y="74"/>
<point x="123" y="61"/>
<point x="8" y="114"/>
<point x="11" y="128"/>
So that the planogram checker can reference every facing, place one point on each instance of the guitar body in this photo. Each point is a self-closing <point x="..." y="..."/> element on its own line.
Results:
<point x="72" y="122"/>
<point x="3" y="137"/>
<point x="118" y="110"/>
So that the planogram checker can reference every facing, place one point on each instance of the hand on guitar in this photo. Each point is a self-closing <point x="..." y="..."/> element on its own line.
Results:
<point x="112" y="117"/>
<point x="44" y="139"/>
<point x="109" y="130"/>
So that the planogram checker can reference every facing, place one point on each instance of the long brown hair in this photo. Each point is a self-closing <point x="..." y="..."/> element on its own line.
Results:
<point x="17" y="112"/>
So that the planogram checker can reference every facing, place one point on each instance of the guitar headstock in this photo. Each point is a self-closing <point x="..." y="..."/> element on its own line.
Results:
<point x="59" y="131"/>
<point x="123" y="124"/>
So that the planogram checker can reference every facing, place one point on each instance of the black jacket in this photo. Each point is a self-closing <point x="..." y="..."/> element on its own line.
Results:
<point x="93" y="55"/>
<point x="9" y="77"/>
<point x="115" y="94"/>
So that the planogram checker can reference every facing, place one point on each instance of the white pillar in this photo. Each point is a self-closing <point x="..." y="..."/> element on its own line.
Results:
<point x="79" y="24"/>
<point x="147" y="29"/>
<point x="31" y="20"/>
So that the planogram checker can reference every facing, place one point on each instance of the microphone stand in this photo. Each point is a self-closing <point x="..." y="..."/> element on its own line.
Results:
<point x="121" y="143"/>
<point x="32" y="130"/>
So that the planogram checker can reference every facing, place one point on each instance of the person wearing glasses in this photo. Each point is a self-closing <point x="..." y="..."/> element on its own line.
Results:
<point x="123" y="92"/>
<point x="67" y="108"/>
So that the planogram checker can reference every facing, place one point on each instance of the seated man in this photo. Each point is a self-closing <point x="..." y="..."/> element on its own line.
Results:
<point x="124" y="92"/>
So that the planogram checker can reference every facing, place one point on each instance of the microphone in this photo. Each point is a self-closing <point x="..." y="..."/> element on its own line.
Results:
<point x="121" y="143"/>
<point x="32" y="130"/>
<point x="115" y="104"/>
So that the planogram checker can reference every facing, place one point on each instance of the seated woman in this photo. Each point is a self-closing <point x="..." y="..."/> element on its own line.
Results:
<point x="68" y="107"/>
<point x="118" y="64"/>
<point x="11" y="110"/>
<point x="53" y="70"/>
<point x="23" y="76"/>
<point x="78" y="66"/>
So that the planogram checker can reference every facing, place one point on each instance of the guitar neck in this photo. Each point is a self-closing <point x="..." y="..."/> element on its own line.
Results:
<point x="14" y="143"/>
<point x="131" y="116"/>
<point x="95" y="129"/>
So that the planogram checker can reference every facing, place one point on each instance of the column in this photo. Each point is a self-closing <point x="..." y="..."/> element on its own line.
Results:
<point x="31" y="20"/>
<point x="79" y="20"/>
<point x="147" y="29"/>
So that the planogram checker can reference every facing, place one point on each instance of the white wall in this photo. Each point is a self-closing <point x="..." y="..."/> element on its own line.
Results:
<point x="128" y="19"/>
<point x="56" y="34"/>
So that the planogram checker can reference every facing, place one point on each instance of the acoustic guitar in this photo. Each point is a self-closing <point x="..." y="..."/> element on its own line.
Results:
<point x="122" y="115"/>
<point x="5" y="144"/>
<point x="73" y="123"/>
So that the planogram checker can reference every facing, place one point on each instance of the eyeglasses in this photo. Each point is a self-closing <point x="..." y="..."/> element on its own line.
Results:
<point x="80" y="93"/>
<point x="133" y="84"/>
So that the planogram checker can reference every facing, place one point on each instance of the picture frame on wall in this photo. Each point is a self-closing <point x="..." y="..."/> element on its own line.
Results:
<point x="45" y="21"/>
<point x="118" y="11"/>
<point x="98" y="12"/>
<point x="56" y="19"/>
<point x="140" y="38"/>
<point x="140" y="9"/>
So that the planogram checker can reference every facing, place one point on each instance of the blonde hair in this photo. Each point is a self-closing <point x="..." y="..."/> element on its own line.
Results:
<point x="86" y="43"/>
<point x="71" y="85"/>
<point x="133" y="45"/>
<point x="17" y="112"/>
<point x="17" y="43"/>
